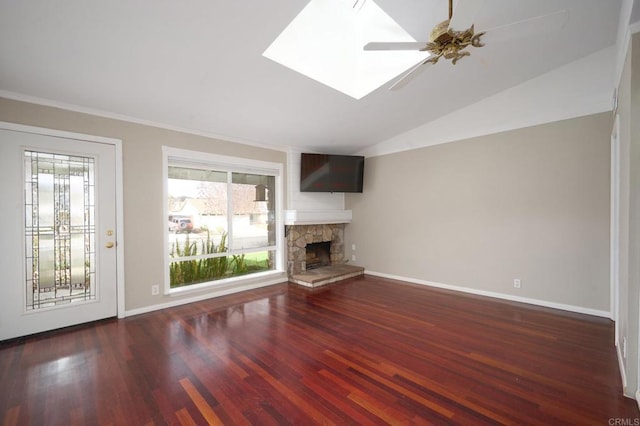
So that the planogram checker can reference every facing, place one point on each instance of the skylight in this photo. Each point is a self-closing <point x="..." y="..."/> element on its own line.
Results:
<point x="325" y="42"/>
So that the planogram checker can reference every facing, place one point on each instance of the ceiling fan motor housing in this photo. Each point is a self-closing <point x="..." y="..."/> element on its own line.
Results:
<point x="440" y="33"/>
<point x="450" y="44"/>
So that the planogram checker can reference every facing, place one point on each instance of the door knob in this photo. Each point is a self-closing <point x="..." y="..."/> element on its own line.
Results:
<point x="109" y="245"/>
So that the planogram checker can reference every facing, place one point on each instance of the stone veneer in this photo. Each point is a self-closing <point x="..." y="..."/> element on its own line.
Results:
<point x="298" y="236"/>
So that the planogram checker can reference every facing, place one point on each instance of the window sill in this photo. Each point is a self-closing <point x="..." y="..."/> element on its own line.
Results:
<point x="227" y="284"/>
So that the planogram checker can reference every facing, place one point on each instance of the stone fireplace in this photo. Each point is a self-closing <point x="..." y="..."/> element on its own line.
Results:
<point x="299" y="236"/>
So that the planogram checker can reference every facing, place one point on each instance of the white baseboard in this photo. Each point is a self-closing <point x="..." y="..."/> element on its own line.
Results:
<point x="561" y="306"/>
<point x="210" y="293"/>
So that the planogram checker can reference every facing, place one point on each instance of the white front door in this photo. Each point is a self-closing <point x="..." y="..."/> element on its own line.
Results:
<point x="57" y="233"/>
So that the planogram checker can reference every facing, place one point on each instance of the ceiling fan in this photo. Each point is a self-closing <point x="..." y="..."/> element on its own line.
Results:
<point x="451" y="39"/>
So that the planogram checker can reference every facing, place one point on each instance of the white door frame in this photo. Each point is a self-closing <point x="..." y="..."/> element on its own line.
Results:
<point x="117" y="143"/>
<point x="614" y="263"/>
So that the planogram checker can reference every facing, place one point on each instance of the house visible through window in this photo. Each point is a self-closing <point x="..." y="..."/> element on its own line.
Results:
<point x="221" y="221"/>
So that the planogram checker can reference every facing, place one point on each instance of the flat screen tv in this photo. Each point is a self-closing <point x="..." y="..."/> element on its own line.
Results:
<point x="331" y="173"/>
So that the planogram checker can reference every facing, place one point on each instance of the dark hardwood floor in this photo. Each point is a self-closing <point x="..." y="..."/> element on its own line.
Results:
<point x="363" y="351"/>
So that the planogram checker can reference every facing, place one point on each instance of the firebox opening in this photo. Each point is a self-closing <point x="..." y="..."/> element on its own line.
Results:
<point x="318" y="255"/>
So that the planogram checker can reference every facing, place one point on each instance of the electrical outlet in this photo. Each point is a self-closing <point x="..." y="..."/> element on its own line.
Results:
<point x="155" y="290"/>
<point x="353" y="257"/>
<point x="353" y="247"/>
<point x="517" y="283"/>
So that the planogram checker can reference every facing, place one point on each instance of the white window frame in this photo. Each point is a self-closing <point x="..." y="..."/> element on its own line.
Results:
<point x="188" y="158"/>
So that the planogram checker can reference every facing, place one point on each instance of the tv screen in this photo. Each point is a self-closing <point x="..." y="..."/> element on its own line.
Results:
<point x="331" y="173"/>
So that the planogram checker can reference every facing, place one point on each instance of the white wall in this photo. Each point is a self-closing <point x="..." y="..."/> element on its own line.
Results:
<point x="529" y="204"/>
<point x="580" y="88"/>
<point x="628" y="327"/>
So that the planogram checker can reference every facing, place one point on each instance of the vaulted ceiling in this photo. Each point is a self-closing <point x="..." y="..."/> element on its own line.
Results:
<point x="198" y="66"/>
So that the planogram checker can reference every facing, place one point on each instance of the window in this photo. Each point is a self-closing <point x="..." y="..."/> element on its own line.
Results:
<point x="325" y="42"/>
<point x="222" y="218"/>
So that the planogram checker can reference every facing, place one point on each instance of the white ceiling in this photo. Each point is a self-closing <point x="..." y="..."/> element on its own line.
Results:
<point x="198" y="65"/>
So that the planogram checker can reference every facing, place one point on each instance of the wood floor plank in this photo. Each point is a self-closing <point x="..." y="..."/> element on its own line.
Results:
<point x="184" y="418"/>
<point x="11" y="416"/>
<point x="363" y="351"/>
<point x="308" y="406"/>
<point x="389" y="383"/>
<point x="205" y="409"/>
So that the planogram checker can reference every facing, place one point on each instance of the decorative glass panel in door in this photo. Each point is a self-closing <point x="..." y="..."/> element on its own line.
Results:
<point x="59" y="229"/>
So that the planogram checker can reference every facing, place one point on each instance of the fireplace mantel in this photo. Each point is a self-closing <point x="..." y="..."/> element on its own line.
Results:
<point x="316" y="217"/>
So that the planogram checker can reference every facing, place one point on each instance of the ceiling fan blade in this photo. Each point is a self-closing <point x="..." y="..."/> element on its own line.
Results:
<point x="410" y="75"/>
<point x="401" y="45"/>
<point x="529" y="27"/>
<point x="465" y="14"/>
